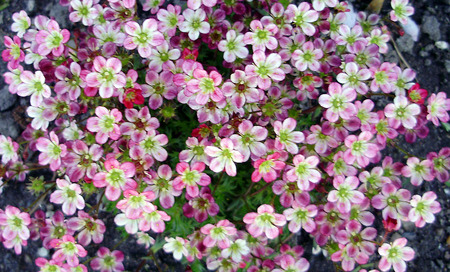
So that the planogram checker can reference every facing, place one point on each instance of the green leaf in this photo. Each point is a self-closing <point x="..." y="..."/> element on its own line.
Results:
<point x="446" y="126"/>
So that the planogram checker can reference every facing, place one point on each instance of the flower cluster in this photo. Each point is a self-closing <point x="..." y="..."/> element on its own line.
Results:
<point x="169" y="124"/>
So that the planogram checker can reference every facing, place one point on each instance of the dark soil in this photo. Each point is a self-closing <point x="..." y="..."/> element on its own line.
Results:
<point x="432" y="64"/>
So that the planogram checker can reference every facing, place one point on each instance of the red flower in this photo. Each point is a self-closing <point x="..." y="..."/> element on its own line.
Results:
<point x="132" y="96"/>
<point x="188" y="54"/>
<point x="417" y="95"/>
<point x="201" y="132"/>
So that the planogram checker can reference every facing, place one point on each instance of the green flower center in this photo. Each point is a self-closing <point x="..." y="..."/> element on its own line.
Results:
<point x="116" y="177"/>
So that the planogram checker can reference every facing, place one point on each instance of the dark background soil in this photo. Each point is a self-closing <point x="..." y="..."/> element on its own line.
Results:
<point x="427" y="56"/>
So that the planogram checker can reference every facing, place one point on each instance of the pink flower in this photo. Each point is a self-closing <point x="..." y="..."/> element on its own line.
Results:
<point x="264" y="221"/>
<point x="248" y="140"/>
<point x="438" y="107"/>
<point x="194" y="23"/>
<point x="14" y="223"/>
<point x="219" y="234"/>
<point x="302" y="16"/>
<point x="205" y="86"/>
<point x="301" y="216"/>
<point x="346" y="193"/>
<point x="308" y="57"/>
<point x="14" y="54"/>
<point x="161" y="184"/>
<point x="241" y="89"/>
<point x="233" y="47"/>
<point x="108" y="261"/>
<point x="35" y="86"/>
<point x="190" y="177"/>
<point x="68" y="194"/>
<point x="441" y="163"/>
<point x="116" y="179"/>
<point x="338" y="102"/>
<point x="51" y="151"/>
<point x="394" y="202"/>
<point x="418" y="170"/>
<point x="106" y="76"/>
<point x="105" y="124"/>
<point x="224" y="157"/>
<point x="139" y="123"/>
<point x="150" y="147"/>
<point x="8" y="150"/>
<point x="144" y="38"/>
<point x="289" y="263"/>
<point x="265" y="69"/>
<point x="262" y="36"/>
<point x="321" y="139"/>
<point x="360" y="149"/>
<point x="395" y="254"/>
<point x="199" y="207"/>
<point x="154" y="221"/>
<point x="304" y="171"/>
<point x="423" y="209"/>
<point x="134" y="204"/>
<point x="286" y="136"/>
<point x="400" y="12"/>
<point x="354" y="78"/>
<point x="67" y="250"/>
<point x="401" y="112"/>
<point x="268" y="168"/>
<point x="52" y="40"/>
<point x="82" y="161"/>
<point x="90" y="229"/>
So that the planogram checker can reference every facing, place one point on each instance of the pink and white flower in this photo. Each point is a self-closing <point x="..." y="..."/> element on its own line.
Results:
<point x="400" y="12"/>
<point x="51" y="151"/>
<point x="423" y="209"/>
<point x="144" y="38"/>
<point x="108" y="261"/>
<point x="302" y="16"/>
<point x="304" y="171"/>
<point x="205" y="86"/>
<point x="21" y="23"/>
<point x="265" y="69"/>
<point x="401" y="112"/>
<point x="220" y="234"/>
<point x="265" y="221"/>
<point x="287" y="138"/>
<point x="194" y="23"/>
<point x="13" y="54"/>
<point x="338" y="102"/>
<point x="395" y="254"/>
<point x="106" y="76"/>
<point x="34" y="85"/>
<point x="418" y="170"/>
<point x="8" y="150"/>
<point x="394" y="202"/>
<point x="69" y="195"/>
<point x="105" y="124"/>
<point x="261" y="36"/>
<point x="346" y="193"/>
<point x="116" y="179"/>
<point x="360" y="149"/>
<point x="438" y="107"/>
<point x="90" y="229"/>
<point x="301" y="216"/>
<point x="268" y="168"/>
<point x="52" y="39"/>
<point x="67" y="250"/>
<point x="224" y="157"/>
<point x="307" y="57"/>
<point x="190" y="177"/>
<point x="233" y="47"/>
<point x="83" y="11"/>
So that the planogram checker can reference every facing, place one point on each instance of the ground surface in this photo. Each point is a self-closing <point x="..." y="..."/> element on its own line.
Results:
<point x="427" y="56"/>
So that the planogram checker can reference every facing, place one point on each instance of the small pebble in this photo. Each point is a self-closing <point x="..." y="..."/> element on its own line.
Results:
<point x="442" y="45"/>
<point x="42" y="252"/>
